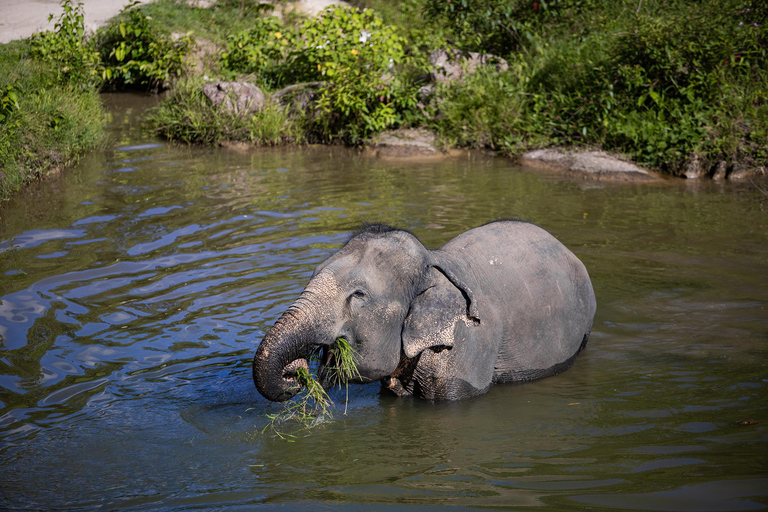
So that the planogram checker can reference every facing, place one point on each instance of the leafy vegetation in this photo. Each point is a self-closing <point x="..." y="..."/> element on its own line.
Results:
<point x="66" y="51"/>
<point x="659" y="80"/>
<point x="189" y="116"/>
<point x="49" y="113"/>
<point x="137" y="52"/>
<point x="353" y="52"/>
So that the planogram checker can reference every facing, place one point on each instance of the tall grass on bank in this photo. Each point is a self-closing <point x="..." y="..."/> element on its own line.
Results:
<point x="46" y="125"/>
<point x="188" y="116"/>
<point x="662" y="81"/>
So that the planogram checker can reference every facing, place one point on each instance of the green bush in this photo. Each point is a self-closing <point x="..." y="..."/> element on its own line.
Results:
<point x="48" y="129"/>
<point x="188" y="116"/>
<point x="500" y="26"/>
<point x="262" y="49"/>
<point x="136" y="52"/>
<point x="351" y="51"/>
<point x="72" y="56"/>
<point x="339" y="39"/>
<point x="659" y="84"/>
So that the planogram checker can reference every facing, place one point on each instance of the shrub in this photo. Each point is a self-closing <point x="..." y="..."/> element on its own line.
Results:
<point x="353" y="52"/>
<point x="260" y="49"/>
<point x="500" y="26"/>
<point x="136" y="52"/>
<point x="188" y="116"/>
<point x="656" y="85"/>
<point x="48" y="129"/>
<point x="339" y="38"/>
<point x="72" y="57"/>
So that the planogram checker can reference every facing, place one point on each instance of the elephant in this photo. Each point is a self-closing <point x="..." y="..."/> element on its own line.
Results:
<point x="503" y="302"/>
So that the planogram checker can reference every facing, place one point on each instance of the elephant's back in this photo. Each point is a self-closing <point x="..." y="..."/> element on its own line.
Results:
<point x="534" y="289"/>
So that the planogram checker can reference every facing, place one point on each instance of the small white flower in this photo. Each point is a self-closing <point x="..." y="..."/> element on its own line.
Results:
<point x="364" y="36"/>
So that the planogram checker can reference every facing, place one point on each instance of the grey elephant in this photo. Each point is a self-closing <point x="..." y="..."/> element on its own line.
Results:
<point x="504" y="302"/>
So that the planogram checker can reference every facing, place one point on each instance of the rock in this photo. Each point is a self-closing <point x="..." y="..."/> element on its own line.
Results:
<point x="743" y="172"/>
<point x="204" y="56"/>
<point x="425" y="92"/>
<point x="453" y="65"/>
<point x="404" y="143"/>
<point x="300" y="96"/>
<point x="720" y="170"/>
<point x="591" y="164"/>
<point x="694" y="168"/>
<point x="201" y="4"/>
<point x="236" y="96"/>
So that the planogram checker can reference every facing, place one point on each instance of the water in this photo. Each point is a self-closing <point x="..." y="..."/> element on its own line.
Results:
<point x="135" y="289"/>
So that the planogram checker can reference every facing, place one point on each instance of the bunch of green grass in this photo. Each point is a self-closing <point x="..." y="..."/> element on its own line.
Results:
<point x="44" y="125"/>
<point x="312" y="405"/>
<point x="188" y="116"/>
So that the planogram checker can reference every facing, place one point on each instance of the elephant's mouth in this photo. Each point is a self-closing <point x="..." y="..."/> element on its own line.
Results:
<point x="291" y="370"/>
<point x="321" y="358"/>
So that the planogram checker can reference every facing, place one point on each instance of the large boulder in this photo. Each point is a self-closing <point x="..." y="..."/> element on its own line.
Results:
<point x="451" y="65"/>
<point x="744" y="172"/>
<point x="237" y="97"/>
<point x="695" y="167"/>
<point x="597" y="165"/>
<point x="404" y="143"/>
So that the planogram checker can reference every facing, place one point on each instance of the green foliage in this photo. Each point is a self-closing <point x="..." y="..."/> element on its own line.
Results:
<point x="338" y="39"/>
<point x="46" y="130"/>
<point x="658" y="88"/>
<point x="500" y="26"/>
<point x="262" y="49"/>
<point x="188" y="116"/>
<point x="355" y="106"/>
<point x="137" y="52"/>
<point x="9" y="101"/>
<point x="352" y="51"/>
<point x="67" y="51"/>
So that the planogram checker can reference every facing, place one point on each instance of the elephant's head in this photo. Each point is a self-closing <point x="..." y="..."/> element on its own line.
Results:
<point x="363" y="293"/>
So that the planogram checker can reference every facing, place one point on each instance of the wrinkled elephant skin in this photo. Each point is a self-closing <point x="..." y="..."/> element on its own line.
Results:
<point x="504" y="302"/>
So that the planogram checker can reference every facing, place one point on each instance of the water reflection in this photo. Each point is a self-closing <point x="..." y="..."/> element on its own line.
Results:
<point x="133" y="292"/>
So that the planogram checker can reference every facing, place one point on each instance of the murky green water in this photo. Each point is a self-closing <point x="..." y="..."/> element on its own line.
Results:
<point x="135" y="289"/>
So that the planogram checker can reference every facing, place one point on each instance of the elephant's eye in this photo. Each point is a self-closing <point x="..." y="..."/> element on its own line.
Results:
<point x="357" y="294"/>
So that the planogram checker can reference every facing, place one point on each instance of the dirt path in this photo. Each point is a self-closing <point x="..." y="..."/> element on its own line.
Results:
<point x="22" y="18"/>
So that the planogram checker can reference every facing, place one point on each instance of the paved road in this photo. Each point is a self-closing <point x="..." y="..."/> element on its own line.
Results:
<point x="22" y="18"/>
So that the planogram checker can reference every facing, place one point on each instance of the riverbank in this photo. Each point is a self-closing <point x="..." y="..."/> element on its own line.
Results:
<point x="679" y="90"/>
<point x="675" y="97"/>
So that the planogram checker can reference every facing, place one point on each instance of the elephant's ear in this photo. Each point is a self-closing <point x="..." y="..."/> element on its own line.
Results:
<point x="433" y="315"/>
<point x="446" y="265"/>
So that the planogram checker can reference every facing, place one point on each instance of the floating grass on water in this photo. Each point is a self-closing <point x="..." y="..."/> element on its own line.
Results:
<point x="312" y="405"/>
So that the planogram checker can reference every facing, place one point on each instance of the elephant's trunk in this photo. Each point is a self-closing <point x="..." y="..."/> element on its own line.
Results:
<point x="285" y="348"/>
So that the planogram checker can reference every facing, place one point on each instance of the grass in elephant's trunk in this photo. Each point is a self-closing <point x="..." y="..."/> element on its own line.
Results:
<point x="312" y="405"/>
